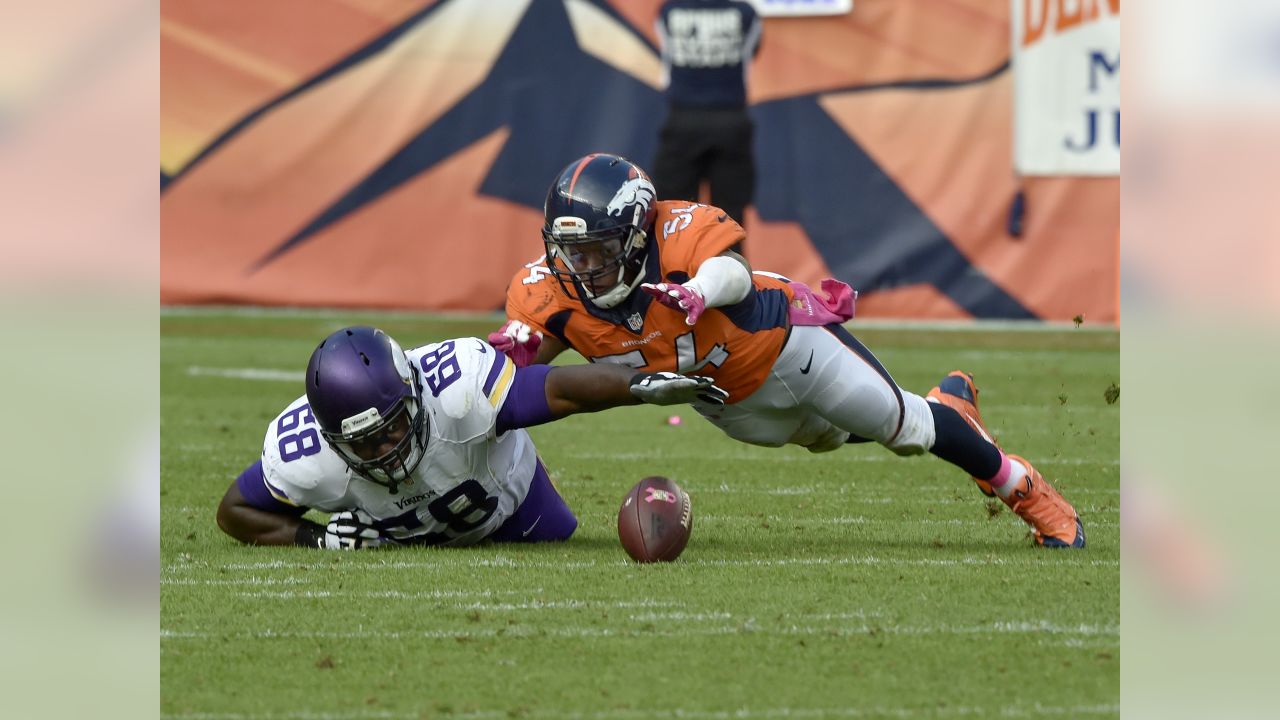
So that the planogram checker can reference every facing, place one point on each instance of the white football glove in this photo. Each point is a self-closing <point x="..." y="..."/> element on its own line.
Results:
<point x="351" y="530"/>
<point x="518" y="341"/>
<point x="666" y="388"/>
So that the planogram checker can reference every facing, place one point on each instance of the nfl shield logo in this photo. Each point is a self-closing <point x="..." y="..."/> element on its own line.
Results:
<point x="635" y="322"/>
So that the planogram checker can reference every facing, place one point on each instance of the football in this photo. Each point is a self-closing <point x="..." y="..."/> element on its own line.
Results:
<point x="655" y="520"/>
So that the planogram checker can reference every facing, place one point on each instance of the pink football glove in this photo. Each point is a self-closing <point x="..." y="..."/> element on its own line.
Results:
<point x="519" y="341"/>
<point x="679" y="298"/>
<point x="834" y="305"/>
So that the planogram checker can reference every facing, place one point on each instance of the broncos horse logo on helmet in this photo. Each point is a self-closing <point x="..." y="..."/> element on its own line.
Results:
<point x="598" y="216"/>
<point x="637" y="193"/>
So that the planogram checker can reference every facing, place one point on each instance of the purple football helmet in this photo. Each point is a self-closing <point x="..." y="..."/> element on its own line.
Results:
<point x="598" y="215"/>
<point x="367" y="401"/>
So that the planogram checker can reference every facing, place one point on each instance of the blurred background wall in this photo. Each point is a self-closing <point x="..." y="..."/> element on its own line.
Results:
<point x="395" y="153"/>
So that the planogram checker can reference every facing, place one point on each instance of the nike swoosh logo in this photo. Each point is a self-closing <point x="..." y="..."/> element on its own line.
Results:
<point x="723" y="217"/>
<point x="978" y="427"/>
<point x="483" y="347"/>
<point x="531" y="527"/>
<point x="805" y="370"/>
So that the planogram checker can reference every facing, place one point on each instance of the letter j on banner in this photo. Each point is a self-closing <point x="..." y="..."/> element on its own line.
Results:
<point x="1066" y="87"/>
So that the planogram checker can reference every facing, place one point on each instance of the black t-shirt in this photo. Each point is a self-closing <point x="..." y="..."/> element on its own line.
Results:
<point x="706" y="47"/>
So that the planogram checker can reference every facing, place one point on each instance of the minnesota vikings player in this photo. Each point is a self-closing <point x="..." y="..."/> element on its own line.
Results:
<point x="425" y="447"/>
<point x="653" y="285"/>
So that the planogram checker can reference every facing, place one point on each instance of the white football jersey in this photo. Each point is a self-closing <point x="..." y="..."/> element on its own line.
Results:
<point x="470" y="479"/>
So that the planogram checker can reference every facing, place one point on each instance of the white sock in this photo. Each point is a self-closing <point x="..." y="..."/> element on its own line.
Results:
<point x="1009" y="481"/>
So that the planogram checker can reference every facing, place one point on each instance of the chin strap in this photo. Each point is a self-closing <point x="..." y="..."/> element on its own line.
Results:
<point x="620" y="292"/>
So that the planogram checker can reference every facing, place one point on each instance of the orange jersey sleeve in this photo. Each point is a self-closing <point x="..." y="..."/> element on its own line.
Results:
<point x="689" y="233"/>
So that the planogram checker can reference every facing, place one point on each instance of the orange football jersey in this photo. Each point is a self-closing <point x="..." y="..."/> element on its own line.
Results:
<point x="736" y="344"/>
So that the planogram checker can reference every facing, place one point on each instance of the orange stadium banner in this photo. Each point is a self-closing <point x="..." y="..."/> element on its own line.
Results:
<point x="380" y="154"/>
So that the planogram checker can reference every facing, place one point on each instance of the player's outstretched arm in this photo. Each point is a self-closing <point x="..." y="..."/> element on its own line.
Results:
<point x="590" y="388"/>
<point x="540" y="394"/>
<point x="549" y="350"/>
<point x="721" y="280"/>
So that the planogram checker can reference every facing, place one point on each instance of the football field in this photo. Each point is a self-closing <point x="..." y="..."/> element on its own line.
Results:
<point x="851" y="584"/>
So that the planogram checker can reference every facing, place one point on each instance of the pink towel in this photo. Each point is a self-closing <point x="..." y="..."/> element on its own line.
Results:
<point x="810" y="308"/>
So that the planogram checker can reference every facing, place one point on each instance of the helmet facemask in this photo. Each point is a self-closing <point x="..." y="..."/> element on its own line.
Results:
<point x="383" y="450"/>
<point x="596" y="263"/>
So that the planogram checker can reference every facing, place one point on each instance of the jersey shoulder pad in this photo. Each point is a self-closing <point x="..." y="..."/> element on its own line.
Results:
<point x="298" y="466"/>
<point x="690" y="233"/>
<point x="464" y="381"/>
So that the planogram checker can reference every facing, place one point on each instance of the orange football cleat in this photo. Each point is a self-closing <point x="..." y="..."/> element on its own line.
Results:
<point x="958" y="392"/>
<point x="1053" y="521"/>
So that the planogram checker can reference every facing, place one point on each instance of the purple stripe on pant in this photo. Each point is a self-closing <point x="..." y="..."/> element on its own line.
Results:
<point x="542" y="517"/>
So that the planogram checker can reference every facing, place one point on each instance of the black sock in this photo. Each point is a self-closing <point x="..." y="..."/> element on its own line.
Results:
<point x="961" y="445"/>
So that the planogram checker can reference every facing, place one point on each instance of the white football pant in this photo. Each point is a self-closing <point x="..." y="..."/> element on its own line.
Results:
<point x="824" y="386"/>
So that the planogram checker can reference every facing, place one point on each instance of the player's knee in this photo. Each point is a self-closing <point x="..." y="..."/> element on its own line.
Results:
<point x="563" y="530"/>
<point x="559" y="527"/>
<point x="816" y="434"/>
<point x="756" y="439"/>
<point x="917" y="433"/>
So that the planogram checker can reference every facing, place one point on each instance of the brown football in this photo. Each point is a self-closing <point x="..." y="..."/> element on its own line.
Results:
<point x="655" y="520"/>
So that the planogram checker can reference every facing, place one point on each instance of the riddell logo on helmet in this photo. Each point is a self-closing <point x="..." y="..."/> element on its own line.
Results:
<point x="636" y="191"/>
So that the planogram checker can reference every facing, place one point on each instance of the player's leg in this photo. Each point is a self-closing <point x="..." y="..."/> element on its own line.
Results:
<point x="848" y="386"/>
<point x="542" y="517"/>
<point x="958" y="392"/>
<point x="828" y="372"/>
<point x="676" y="172"/>
<point x="732" y="171"/>
<point x="963" y="440"/>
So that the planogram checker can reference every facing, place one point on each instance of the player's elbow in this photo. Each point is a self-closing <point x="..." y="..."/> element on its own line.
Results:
<point x="228" y="515"/>
<point x="224" y="518"/>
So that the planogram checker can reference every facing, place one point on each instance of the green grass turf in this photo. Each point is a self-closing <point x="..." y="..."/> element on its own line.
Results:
<point x="849" y="584"/>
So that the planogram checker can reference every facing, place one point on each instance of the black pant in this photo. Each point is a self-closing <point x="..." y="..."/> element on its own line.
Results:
<point x="715" y="145"/>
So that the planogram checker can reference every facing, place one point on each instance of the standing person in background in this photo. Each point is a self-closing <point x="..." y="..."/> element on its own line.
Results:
<point x="707" y="46"/>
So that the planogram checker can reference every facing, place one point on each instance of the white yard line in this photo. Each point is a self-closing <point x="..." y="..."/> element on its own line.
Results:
<point x="741" y="713"/>
<point x="531" y="605"/>
<point x="451" y="565"/>
<point x="293" y="376"/>
<point x="742" y="626"/>
<point x="252" y="580"/>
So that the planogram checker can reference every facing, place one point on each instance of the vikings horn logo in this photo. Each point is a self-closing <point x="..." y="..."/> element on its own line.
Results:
<point x="636" y="191"/>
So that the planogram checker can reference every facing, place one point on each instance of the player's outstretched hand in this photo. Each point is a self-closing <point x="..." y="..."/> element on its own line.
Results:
<point x="519" y="341"/>
<point x="351" y="530"/>
<point x="666" y="388"/>
<point x="679" y="298"/>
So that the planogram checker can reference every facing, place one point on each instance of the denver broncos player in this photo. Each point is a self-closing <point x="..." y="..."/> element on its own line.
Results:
<point x="652" y="284"/>
<point x="424" y="447"/>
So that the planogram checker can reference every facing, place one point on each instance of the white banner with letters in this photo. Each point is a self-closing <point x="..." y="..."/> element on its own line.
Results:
<point x="1066" y="87"/>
